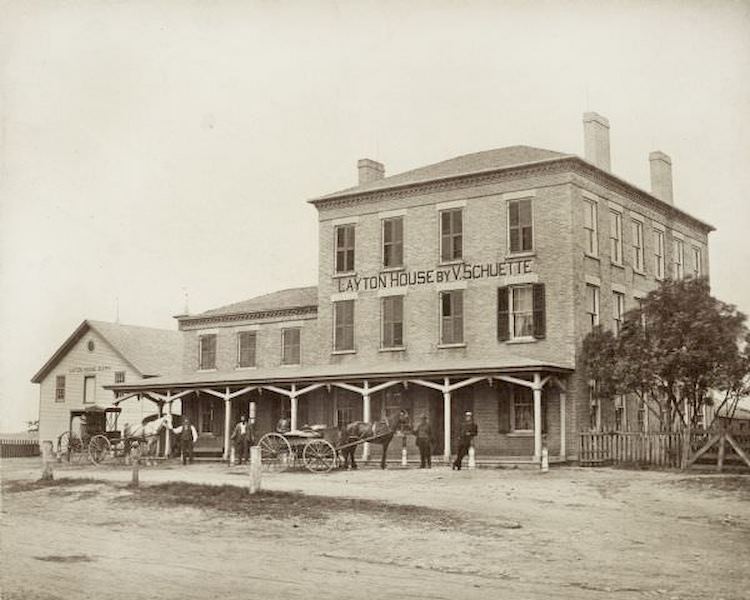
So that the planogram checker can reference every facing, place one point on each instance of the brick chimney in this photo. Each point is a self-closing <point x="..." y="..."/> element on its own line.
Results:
<point x="661" y="176"/>
<point x="596" y="140"/>
<point x="370" y="170"/>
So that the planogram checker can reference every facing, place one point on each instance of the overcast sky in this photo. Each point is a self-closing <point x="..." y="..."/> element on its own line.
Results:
<point x="154" y="147"/>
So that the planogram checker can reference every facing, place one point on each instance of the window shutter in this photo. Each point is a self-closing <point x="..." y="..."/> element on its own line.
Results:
<point x="503" y="410"/>
<point x="503" y="322"/>
<point x="540" y="313"/>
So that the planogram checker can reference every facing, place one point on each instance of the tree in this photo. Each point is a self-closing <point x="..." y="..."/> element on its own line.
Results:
<point x="32" y="426"/>
<point x="678" y="347"/>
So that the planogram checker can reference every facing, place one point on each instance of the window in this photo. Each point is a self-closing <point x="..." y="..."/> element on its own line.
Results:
<point x="592" y="305"/>
<point x="520" y="232"/>
<point x="343" y="325"/>
<point x="246" y="343"/>
<point x="452" y="317"/>
<point x="393" y="322"/>
<point x="638" y="264"/>
<point x="207" y="351"/>
<point x="89" y="389"/>
<point x="678" y="258"/>
<point x="615" y="237"/>
<point x="119" y="376"/>
<point x="344" y="235"/>
<point x="697" y="262"/>
<point x="290" y="346"/>
<point x="618" y="311"/>
<point x="393" y="242"/>
<point x="594" y="412"/>
<point x="60" y="388"/>
<point x="658" y="254"/>
<point x="641" y="416"/>
<point x="620" y="423"/>
<point x="523" y="409"/>
<point x="347" y="409"/>
<point x="521" y="312"/>
<point x="451" y="234"/>
<point x="589" y="226"/>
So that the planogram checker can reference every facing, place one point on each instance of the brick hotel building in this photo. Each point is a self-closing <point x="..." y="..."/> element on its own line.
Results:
<point x="468" y="284"/>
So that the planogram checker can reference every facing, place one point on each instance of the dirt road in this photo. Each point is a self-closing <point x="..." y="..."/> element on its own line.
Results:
<point x="572" y="533"/>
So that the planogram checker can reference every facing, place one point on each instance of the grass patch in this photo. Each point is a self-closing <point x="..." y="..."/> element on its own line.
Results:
<point x="68" y="558"/>
<point x="281" y="505"/>
<point x="16" y="487"/>
<point x="717" y="483"/>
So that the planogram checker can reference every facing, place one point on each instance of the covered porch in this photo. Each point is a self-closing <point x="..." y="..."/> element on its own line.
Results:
<point x="519" y="409"/>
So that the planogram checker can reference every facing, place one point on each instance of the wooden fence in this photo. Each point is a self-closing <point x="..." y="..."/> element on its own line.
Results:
<point x="661" y="449"/>
<point x="18" y="448"/>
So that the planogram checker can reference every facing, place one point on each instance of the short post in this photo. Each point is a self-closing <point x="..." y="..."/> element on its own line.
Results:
<point x="403" y="450"/>
<point x="472" y="455"/>
<point x="48" y="459"/>
<point x="545" y="460"/>
<point x="135" y="457"/>
<point x="255" y="470"/>
<point x="232" y="456"/>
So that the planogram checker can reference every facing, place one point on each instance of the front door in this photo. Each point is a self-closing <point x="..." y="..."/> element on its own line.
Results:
<point x="210" y="417"/>
<point x="89" y="389"/>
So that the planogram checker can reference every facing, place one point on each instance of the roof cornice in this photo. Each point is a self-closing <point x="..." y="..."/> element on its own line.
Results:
<point x="569" y="162"/>
<point x="248" y="316"/>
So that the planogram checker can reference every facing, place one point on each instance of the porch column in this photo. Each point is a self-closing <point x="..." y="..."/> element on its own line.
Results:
<point x="168" y="434"/>
<point x="366" y="417"/>
<point x="447" y="424"/>
<point x="563" y="400"/>
<point x="537" y="392"/>
<point x="227" y="424"/>
<point x="293" y="407"/>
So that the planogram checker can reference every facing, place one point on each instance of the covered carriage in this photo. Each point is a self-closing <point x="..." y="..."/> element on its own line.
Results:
<point x="92" y="433"/>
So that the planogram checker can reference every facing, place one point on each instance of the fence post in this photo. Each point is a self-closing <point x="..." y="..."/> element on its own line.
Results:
<point x="255" y="469"/>
<point x="47" y="460"/>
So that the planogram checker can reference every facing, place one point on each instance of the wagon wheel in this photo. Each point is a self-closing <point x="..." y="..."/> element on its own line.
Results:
<point x="63" y="444"/>
<point x="99" y="449"/>
<point x="275" y="452"/>
<point x="319" y="456"/>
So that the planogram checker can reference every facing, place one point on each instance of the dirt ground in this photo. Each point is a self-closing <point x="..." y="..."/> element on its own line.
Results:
<point x="500" y="533"/>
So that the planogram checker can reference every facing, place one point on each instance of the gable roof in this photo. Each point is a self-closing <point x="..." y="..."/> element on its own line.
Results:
<point x="475" y="162"/>
<point x="149" y="350"/>
<point x="279" y="300"/>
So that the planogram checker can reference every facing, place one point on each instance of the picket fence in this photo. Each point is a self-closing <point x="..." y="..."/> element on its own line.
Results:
<point x="602" y="448"/>
<point x="10" y="448"/>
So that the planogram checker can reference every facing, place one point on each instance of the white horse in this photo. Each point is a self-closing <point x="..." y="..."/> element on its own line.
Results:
<point x="147" y="434"/>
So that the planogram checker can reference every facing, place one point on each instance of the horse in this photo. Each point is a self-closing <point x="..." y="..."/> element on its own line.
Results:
<point x="380" y="433"/>
<point x="147" y="434"/>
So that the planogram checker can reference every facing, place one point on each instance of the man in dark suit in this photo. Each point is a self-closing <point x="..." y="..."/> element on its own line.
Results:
<point x="466" y="434"/>
<point x="242" y="436"/>
<point x="424" y="442"/>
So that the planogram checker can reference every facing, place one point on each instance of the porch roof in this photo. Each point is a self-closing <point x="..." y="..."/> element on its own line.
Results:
<point x="324" y="373"/>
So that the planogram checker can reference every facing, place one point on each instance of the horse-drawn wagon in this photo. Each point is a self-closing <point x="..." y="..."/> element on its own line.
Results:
<point x="93" y="433"/>
<point x="320" y="449"/>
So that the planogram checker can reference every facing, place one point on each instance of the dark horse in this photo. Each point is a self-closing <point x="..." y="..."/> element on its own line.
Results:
<point x="375" y="433"/>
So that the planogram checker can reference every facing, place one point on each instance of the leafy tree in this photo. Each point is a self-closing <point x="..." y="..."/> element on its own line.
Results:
<point x="672" y="352"/>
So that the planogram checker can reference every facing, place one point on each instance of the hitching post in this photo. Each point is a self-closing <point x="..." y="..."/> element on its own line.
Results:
<point x="255" y="470"/>
<point x="48" y="459"/>
<point x="472" y="455"/>
<point x="545" y="459"/>
<point x="135" y="456"/>
<point x="403" y="449"/>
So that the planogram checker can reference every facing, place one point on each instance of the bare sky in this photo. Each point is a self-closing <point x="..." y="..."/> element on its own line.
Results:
<point x="153" y="147"/>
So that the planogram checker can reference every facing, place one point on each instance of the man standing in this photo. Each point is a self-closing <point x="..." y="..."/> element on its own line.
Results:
<point x="424" y="443"/>
<point x="467" y="432"/>
<point x="187" y="435"/>
<point x="242" y="437"/>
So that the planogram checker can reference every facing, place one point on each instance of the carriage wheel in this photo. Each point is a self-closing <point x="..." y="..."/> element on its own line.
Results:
<point x="99" y="449"/>
<point x="63" y="444"/>
<point x="275" y="452"/>
<point x="319" y="456"/>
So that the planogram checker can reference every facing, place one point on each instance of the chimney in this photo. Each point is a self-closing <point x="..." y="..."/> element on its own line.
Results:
<point x="369" y="170"/>
<point x="661" y="176"/>
<point x="596" y="140"/>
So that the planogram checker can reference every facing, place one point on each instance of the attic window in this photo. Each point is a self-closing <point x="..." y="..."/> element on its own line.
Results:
<point x="91" y="345"/>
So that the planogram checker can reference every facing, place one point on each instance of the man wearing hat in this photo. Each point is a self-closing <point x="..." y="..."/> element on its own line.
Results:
<point x="467" y="432"/>
<point x="187" y="435"/>
<point x="424" y="442"/>
<point x="242" y="436"/>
